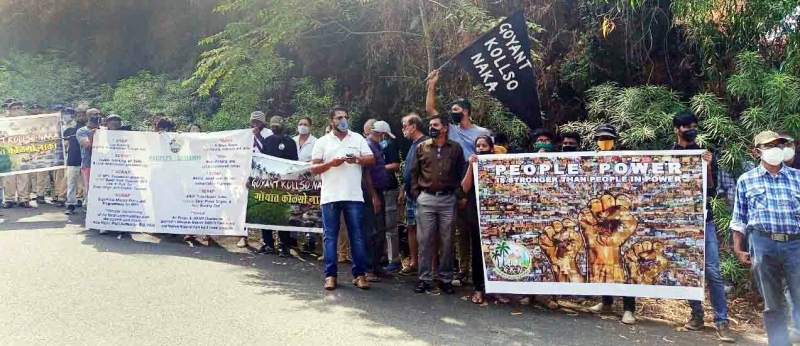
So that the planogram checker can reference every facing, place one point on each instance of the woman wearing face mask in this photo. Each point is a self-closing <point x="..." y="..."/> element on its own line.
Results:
<point x="483" y="146"/>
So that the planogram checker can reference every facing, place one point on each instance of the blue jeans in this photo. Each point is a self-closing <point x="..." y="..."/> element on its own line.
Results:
<point x="773" y="264"/>
<point x="714" y="283"/>
<point x="330" y="228"/>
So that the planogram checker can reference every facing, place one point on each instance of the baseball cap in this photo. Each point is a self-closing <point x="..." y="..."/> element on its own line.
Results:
<point x="765" y="137"/>
<point x="605" y="130"/>
<point x="258" y="115"/>
<point x="276" y="120"/>
<point x="382" y="127"/>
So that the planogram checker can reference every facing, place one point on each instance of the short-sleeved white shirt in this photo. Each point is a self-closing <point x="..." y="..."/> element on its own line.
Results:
<point x="304" y="151"/>
<point x="341" y="183"/>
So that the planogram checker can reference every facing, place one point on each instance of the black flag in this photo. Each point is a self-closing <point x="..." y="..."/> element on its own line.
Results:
<point x="501" y="61"/>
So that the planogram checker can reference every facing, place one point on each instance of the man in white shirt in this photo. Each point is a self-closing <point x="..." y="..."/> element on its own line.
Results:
<point x="338" y="158"/>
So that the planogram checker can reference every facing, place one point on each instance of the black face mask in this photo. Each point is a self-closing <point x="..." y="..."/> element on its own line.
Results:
<point x="434" y="133"/>
<point x="568" y="148"/>
<point x="456" y="116"/>
<point x="276" y="130"/>
<point x="690" y="135"/>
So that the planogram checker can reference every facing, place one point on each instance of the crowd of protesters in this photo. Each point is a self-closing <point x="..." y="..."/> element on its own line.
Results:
<point x="361" y="194"/>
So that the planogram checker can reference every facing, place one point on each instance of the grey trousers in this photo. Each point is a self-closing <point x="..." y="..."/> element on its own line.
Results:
<point x="392" y="236"/>
<point x="435" y="217"/>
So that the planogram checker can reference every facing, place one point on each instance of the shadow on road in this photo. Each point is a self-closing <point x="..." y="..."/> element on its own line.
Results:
<point x="432" y="319"/>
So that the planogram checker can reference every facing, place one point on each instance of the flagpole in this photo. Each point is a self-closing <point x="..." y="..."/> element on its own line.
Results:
<point x="438" y="69"/>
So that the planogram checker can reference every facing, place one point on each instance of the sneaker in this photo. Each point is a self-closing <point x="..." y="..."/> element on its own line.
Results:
<point x="8" y="205"/>
<point x="393" y="267"/>
<point x="627" y="318"/>
<point x="59" y="204"/>
<point x="265" y="249"/>
<point x="80" y="203"/>
<point x="70" y="210"/>
<point x="409" y="270"/>
<point x="330" y="283"/>
<point x="361" y="282"/>
<point x="724" y="334"/>
<point x="601" y="308"/>
<point x="695" y="323"/>
<point x="40" y="199"/>
<point x="447" y="288"/>
<point x="422" y="287"/>
<point x="24" y="204"/>
<point x="242" y="242"/>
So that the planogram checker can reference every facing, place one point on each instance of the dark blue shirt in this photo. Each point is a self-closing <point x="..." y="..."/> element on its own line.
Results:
<point x="407" y="166"/>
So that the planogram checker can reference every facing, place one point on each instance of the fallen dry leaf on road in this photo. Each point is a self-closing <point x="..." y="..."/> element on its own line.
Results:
<point x="516" y="313"/>
<point x="667" y="340"/>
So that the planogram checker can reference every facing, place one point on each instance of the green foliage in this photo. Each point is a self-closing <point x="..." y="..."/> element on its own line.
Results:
<point x="641" y="115"/>
<point x="47" y="79"/>
<point x="139" y="98"/>
<point x="314" y="100"/>
<point x="731" y="270"/>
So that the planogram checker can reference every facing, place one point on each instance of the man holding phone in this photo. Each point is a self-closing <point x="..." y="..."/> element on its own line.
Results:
<point x="338" y="158"/>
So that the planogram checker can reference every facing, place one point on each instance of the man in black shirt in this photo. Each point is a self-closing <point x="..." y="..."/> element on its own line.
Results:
<point x="685" y="126"/>
<point x="391" y="158"/>
<point x="74" y="177"/>
<point x="284" y="147"/>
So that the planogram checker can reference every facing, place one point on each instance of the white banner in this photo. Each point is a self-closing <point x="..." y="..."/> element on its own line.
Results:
<point x="179" y="183"/>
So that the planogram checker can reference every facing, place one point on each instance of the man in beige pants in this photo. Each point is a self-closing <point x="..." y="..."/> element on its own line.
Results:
<point x="17" y="188"/>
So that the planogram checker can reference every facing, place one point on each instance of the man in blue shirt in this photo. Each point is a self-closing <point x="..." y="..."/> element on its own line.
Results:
<point x="412" y="130"/>
<point x="767" y="212"/>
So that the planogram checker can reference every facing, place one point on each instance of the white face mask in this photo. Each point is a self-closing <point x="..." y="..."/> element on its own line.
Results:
<point x="773" y="156"/>
<point x="302" y="129"/>
<point x="788" y="153"/>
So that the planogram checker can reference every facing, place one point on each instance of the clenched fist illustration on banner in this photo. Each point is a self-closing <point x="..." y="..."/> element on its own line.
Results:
<point x="562" y="243"/>
<point x="645" y="261"/>
<point x="607" y="223"/>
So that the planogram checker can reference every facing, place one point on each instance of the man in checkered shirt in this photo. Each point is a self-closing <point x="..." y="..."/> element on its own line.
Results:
<point x="767" y="212"/>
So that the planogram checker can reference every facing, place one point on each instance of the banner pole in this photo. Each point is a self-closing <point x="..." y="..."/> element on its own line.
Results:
<point x="439" y="69"/>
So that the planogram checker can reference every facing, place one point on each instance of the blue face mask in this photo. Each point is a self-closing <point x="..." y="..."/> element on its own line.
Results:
<point x="342" y="125"/>
<point x="384" y="144"/>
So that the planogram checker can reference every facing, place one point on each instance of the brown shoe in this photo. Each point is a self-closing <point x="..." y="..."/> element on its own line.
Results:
<point x="361" y="282"/>
<point x="330" y="283"/>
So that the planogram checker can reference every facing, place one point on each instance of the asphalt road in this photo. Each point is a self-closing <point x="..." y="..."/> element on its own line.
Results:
<point x="62" y="285"/>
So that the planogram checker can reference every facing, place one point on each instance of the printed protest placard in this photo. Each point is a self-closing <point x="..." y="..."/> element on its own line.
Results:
<point x="179" y="183"/>
<point x="605" y="223"/>
<point x="284" y="196"/>
<point x="30" y="144"/>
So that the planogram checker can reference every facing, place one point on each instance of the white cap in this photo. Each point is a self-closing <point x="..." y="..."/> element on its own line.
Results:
<point x="382" y="127"/>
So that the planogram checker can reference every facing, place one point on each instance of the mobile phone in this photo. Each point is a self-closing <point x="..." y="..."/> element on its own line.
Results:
<point x="349" y="156"/>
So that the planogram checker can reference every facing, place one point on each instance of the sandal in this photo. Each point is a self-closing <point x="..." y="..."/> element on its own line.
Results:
<point x="501" y="299"/>
<point x="478" y="297"/>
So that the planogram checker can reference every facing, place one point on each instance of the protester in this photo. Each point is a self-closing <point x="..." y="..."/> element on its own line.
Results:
<point x="16" y="188"/>
<point x="193" y="128"/>
<point x="258" y="122"/>
<point x="75" y="185"/>
<point x="542" y="141"/>
<point x="605" y="136"/>
<point x="463" y="132"/>
<point x="280" y="146"/>
<point x="685" y="126"/>
<point x="483" y="146"/>
<point x="305" y="145"/>
<point x="436" y="175"/>
<point x="762" y="214"/>
<point x="570" y="142"/>
<point x="391" y="157"/>
<point x="338" y="158"/>
<point x="39" y="180"/>
<point x="374" y="222"/>
<point x="501" y="145"/>
<point x="85" y="135"/>
<point x="790" y="160"/>
<point x="412" y="130"/>
<point x="60" y="175"/>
